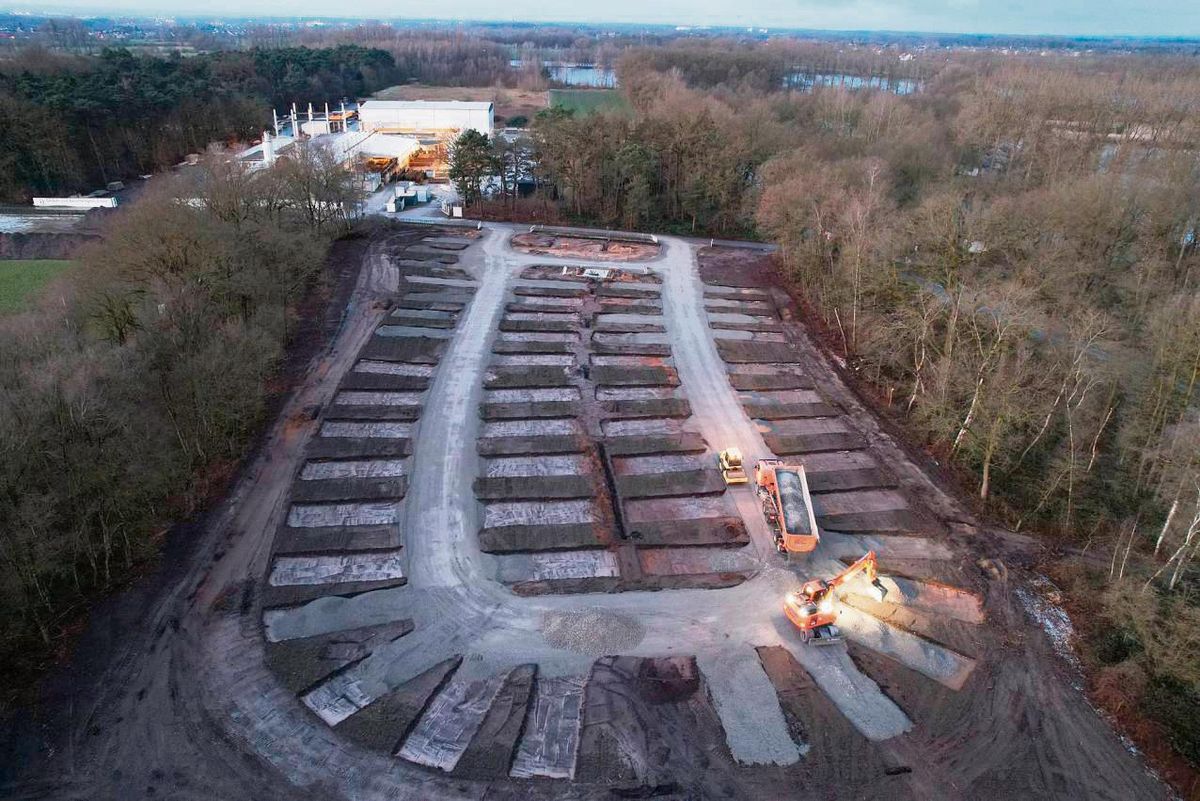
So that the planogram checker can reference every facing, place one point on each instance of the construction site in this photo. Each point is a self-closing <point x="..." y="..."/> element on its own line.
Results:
<point x="382" y="139"/>
<point x="566" y="514"/>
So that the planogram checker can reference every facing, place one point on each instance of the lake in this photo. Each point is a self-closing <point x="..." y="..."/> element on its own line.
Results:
<point x="806" y="81"/>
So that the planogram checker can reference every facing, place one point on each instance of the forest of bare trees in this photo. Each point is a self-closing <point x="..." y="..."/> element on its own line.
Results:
<point x="137" y="386"/>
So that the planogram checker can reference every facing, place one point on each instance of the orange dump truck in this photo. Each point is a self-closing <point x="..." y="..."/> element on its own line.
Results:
<point x="787" y="505"/>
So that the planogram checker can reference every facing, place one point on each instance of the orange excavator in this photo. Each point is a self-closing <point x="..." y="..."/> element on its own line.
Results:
<point x="811" y="607"/>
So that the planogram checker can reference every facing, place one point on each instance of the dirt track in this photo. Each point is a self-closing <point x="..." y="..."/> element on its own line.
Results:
<point x="713" y="695"/>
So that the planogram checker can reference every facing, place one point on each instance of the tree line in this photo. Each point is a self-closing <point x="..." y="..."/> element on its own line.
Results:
<point x="70" y="124"/>
<point x="122" y="407"/>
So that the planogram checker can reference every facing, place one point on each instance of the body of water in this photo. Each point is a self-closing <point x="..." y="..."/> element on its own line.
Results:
<point x="806" y="81"/>
<point x="24" y="220"/>
<point x="588" y="75"/>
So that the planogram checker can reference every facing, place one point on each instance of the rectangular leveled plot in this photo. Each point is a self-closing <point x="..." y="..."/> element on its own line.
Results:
<point x="789" y="411"/>
<point x="536" y="513"/>
<point x="514" y="377"/>
<point x="506" y="346"/>
<point x="419" y="350"/>
<point x="535" y="488"/>
<point x="336" y="569"/>
<point x="759" y="307"/>
<point x="789" y="445"/>
<point x="748" y="293"/>
<point x="563" y="291"/>
<point x="529" y="428"/>
<point x="747" y="335"/>
<point x="412" y="332"/>
<point x="388" y="430"/>
<point x="635" y="376"/>
<point x="508" y="325"/>
<point x="655" y="509"/>
<point x="343" y="514"/>
<point x="443" y="733"/>
<point x="683" y="442"/>
<point x="424" y="314"/>
<point x="740" y="316"/>
<point x="356" y="448"/>
<point x="641" y="428"/>
<point x="336" y="539"/>
<point x="634" y="338"/>
<point x="704" y="481"/>
<point x="394" y="368"/>
<point x="370" y="398"/>
<point x="519" y="446"/>
<point x="836" y="503"/>
<point x="534" y="360"/>
<point x="757" y="352"/>
<point x="549" y="465"/>
<point x="538" y="336"/>
<point x="348" y="489"/>
<point x="558" y="565"/>
<point x="637" y="393"/>
<point x="354" y="468"/>
<point x="600" y="360"/>
<point x="384" y="382"/>
<point x="551" y="735"/>
<point x="668" y="463"/>
<point x="830" y="425"/>
<point x="531" y="395"/>
<point x="552" y="305"/>
<point x="561" y="317"/>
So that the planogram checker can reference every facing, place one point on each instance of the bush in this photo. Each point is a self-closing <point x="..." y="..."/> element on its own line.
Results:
<point x="1176" y="705"/>
<point x="1113" y="645"/>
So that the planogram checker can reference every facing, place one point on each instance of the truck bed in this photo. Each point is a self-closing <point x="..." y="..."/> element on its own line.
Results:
<point x="791" y="496"/>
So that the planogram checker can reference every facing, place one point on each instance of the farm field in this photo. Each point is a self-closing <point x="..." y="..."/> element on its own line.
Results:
<point x="22" y="279"/>
<point x="585" y="101"/>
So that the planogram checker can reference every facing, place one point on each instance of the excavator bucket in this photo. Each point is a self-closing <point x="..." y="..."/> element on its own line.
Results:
<point x="877" y="584"/>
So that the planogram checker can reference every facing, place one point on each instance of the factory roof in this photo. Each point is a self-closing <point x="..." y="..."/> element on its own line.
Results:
<point x="471" y="105"/>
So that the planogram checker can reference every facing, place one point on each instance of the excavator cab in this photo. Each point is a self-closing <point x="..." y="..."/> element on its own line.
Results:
<point x="811" y="608"/>
<point x="730" y="463"/>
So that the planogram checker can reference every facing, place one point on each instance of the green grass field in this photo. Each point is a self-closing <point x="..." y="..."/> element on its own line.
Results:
<point x="585" y="101"/>
<point x="22" y="280"/>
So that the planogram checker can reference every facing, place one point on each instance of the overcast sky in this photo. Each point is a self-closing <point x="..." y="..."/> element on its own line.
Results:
<point x="1079" y="17"/>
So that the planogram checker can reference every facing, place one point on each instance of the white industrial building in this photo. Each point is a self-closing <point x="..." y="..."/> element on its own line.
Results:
<point x="445" y="118"/>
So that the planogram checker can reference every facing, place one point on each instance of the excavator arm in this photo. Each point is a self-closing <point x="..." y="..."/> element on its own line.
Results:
<point x="865" y="564"/>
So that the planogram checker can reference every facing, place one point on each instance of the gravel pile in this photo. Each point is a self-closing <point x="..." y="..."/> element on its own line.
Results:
<point x="592" y="631"/>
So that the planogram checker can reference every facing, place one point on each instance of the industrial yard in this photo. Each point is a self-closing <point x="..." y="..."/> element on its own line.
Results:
<point x="487" y="551"/>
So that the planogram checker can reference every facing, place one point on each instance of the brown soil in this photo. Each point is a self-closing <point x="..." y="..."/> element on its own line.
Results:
<point x="579" y="248"/>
